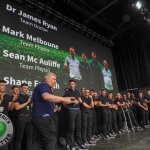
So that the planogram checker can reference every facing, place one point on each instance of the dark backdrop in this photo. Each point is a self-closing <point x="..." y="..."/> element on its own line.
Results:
<point x="131" y="55"/>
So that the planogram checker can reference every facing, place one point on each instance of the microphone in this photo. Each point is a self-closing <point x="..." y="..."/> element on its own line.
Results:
<point x="72" y="99"/>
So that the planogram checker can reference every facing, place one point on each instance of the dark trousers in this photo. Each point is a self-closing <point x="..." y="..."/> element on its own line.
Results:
<point x="11" y="145"/>
<point x="24" y="125"/>
<point x="148" y="111"/>
<point x="144" y="116"/>
<point x="129" y="122"/>
<point x="94" y="125"/>
<point x="105" y="117"/>
<point x="62" y="122"/>
<point x="74" y="126"/>
<point x="99" y="120"/>
<point x="134" y="122"/>
<point x="55" y="118"/>
<point x="109" y="123"/>
<point x="45" y="128"/>
<point x="114" y="120"/>
<point x="86" y="126"/>
<point x="135" y="110"/>
<point x="120" y="118"/>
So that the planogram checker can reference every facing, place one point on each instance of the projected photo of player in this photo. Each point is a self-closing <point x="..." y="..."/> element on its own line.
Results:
<point x="73" y="64"/>
<point x="107" y="75"/>
<point x="85" y="71"/>
<point x="96" y="73"/>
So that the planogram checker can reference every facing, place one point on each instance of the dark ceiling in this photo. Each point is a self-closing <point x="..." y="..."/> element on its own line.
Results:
<point x="108" y="18"/>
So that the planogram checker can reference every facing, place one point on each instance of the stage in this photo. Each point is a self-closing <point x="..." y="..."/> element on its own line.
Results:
<point x="133" y="141"/>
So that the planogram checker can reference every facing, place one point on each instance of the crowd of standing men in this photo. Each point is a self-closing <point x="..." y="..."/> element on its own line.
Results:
<point x="43" y="120"/>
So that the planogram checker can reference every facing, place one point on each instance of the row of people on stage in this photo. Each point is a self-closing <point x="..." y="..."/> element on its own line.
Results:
<point x="86" y="119"/>
<point x="103" y="116"/>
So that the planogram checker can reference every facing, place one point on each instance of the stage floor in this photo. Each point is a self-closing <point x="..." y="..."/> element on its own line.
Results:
<point x="139" y="140"/>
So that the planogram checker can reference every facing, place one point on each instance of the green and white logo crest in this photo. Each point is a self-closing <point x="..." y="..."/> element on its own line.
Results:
<point x="6" y="130"/>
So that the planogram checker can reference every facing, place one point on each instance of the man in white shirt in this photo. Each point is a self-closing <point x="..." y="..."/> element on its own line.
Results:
<point x="73" y="64"/>
<point x="107" y="76"/>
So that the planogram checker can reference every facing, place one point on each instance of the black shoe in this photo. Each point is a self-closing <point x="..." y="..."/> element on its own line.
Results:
<point x="72" y="148"/>
<point x="111" y="135"/>
<point x="96" y="138"/>
<point x="99" y="136"/>
<point x="146" y="127"/>
<point x="93" y="140"/>
<point x="67" y="147"/>
<point x="138" y="128"/>
<point x="107" y="138"/>
<point x="119" y="132"/>
<point x="83" y="147"/>
<point x="90" y="143"/>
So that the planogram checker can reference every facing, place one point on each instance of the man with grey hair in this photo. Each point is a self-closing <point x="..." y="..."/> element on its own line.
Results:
<point x="43" y="110"/>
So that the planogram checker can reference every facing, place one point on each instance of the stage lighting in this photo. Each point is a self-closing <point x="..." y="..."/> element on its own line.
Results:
<point x="138" y="5"/>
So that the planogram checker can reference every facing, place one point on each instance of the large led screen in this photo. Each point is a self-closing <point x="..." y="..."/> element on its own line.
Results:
<point x="31" y="45"/>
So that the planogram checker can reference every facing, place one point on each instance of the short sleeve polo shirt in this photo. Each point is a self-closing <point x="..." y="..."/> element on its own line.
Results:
<point x="42" y="107"/>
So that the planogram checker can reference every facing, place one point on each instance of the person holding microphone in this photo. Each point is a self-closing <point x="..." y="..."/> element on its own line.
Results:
<point x="43" y="109"/>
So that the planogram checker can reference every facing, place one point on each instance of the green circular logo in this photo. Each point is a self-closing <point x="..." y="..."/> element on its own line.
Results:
<point x="3" y="128"/>
<point x="6" y="130"/>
